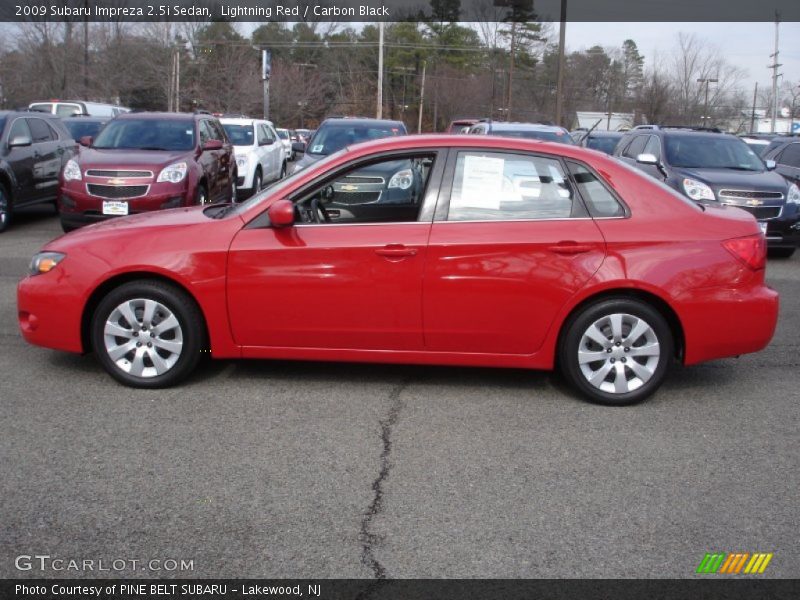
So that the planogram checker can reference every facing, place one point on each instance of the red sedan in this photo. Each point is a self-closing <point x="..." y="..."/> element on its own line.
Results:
<point x="475" y="251"/>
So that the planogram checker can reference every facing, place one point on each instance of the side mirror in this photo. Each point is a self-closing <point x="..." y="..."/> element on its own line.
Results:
<point x="299" y="147"/>
<point x="20" y="140"/>
<point x="770" y="164"/>
<point x="647" y="159"/>
<point x="86" y="140"/>
<point x="281" y="214"/>
<point x="213" y="145"/>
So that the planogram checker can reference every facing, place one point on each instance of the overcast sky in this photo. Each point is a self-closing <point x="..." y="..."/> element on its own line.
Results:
<point x="747" y="45"/>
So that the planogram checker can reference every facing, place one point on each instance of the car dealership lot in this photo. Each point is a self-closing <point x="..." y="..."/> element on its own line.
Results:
<point x="278" y="469"/>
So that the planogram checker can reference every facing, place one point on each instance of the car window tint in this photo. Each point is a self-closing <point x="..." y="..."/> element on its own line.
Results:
<point x="653" y="146"/>
<point x="40" y="131"/>
<point x="506" y="187"/>
<point x="599" y="200"/>
<point x="43" y="107"/>
<point x="791" y="155"/>
<point x="19" y="129"/>
<point x="262" y="135"/>
<point x="272" y="136"/>
<point x="205" y="132"/>
<point x="68" y="110"/>
<point x="387" y="191"/>
<point x="636" y="147"/>
<point x="217" y="132"/>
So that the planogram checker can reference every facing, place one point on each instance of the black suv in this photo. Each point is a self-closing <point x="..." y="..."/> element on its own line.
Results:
<point x="785" y="151"/>
<point x="33" y="149"/>
<point x="708" y="166"/>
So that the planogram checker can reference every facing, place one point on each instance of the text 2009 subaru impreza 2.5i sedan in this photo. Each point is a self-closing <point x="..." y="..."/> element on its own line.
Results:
<point x="483" y="252"/>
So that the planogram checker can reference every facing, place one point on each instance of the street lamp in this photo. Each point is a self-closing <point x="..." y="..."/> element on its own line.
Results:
<point x="706" y="81"/>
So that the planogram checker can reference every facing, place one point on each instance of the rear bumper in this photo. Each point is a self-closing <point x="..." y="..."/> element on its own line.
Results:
<point x="720" y="323"/>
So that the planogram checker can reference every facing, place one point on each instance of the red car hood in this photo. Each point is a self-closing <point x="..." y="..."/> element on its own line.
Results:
<point x="177" y="218"/>
<point x="116" y="159"/>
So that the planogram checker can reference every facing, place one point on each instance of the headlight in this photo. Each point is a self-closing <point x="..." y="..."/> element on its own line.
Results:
<point x="72" y="172"/>
<point x="697" y="190"/>
<point x="241" y="162"/>
<point x="402" y="179"/>
<point x="44" y="262"/>
<point x="793" y="196"/>
<point x="173" y="173"/>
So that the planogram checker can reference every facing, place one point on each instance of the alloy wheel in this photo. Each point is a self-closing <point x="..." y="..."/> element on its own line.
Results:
<point x="143" y="337"/>
<point x="619" y="353"/>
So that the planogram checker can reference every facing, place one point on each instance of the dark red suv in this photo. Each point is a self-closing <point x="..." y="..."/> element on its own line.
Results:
<point x="142" y="162"/>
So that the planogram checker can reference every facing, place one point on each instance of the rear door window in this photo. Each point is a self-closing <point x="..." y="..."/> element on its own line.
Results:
<point x="68" y="110"/>
<point x="790" y="156"/>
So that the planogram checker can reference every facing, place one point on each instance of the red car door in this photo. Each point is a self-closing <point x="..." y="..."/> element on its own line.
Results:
<point x="511" y="243"/>
<point x="353" y="281"/>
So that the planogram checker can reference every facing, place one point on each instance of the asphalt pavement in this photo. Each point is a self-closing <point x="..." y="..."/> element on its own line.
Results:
<point x="294" y="469"/>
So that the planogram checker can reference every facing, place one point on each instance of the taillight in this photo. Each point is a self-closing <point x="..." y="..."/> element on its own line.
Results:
<point x="751" y="250"/>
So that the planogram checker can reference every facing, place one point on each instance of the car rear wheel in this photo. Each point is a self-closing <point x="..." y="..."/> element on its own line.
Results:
<point x="5" y="208"/>
<point x="148" y="334"/>
<point x="616" y="351"/>
<point x="258" y="182"/>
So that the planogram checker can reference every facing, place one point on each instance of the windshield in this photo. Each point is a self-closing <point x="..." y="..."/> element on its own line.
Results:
<point x="330" y="138"/>
<point x="146" y="134"/>
<point x="532" y="134"/>
<point x="283" y="134"/>
<point x="240" y="135"/>
<point x="78" y="128"/>
<point x="710" y="152"/>
<point x="2" y="124"/>
<point x="604" y="143"/>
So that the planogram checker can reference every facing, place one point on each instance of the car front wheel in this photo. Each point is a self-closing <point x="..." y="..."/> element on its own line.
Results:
<point x="617" y="351"/>
<point x="147" y="334"/>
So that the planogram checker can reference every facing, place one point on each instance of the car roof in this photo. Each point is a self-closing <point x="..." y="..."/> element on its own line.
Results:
<point x="241" y="121"/>
<point x="504" y="126"/>
<point x="359" y="121"/>
<point x="606" y="133"/>
<point x="174" y="116"/>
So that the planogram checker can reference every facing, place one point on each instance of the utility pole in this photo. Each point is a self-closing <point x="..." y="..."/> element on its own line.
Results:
<point x="421" y="97"/>
<point x="511" y="69"/>
<point x="86" y="52"/>
<point x="705" y="116"/>
<point x="753" y="113"/>
<point x="266" y="71"/>
<point x="774" y="66"/>
<point x="562" y="35"/>
<point x="379" y="111"/>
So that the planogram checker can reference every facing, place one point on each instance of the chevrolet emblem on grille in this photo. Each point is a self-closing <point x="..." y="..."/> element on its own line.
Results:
<point x="116" y="181"/>
<point x="349" y="187"/>
<point x="754" y="202"/>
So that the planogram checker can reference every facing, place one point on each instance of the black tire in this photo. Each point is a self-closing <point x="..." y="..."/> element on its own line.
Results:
<point x="283" y="171"/>
<point x="190" y="326"/>
<point x="6" y="208"/>
<point x="781" y="252"/>
<point x="258" y="181"/>
<point x="66" y="228"/>
<point x="614" y="352"/>
<point x="201" y="195"/>
<point x="234" y="189"/>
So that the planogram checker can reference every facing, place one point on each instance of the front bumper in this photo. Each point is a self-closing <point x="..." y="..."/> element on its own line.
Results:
<point x="783" y="231"/>
<point x="78" y="207"/>
<point x="49" y="310"/>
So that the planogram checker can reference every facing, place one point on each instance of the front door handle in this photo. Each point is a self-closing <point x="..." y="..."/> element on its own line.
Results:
<point x="570" y="247"/>
<point x="396" y="251"/>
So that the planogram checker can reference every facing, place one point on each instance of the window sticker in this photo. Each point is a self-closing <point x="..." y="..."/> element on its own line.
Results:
<point x="482" y="183"/>
<point x="316" y="149"/>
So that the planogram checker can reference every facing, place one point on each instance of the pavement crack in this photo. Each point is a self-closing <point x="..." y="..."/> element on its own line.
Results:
<point x="369" y="539"/>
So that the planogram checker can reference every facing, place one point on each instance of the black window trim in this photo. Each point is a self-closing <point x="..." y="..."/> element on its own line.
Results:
<point x="446" y="187"/>
<point x="427" y="208"/>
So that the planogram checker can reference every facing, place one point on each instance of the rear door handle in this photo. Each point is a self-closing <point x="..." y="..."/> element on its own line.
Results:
<point x="396" y="251"/>
<point x="569" y="247"/>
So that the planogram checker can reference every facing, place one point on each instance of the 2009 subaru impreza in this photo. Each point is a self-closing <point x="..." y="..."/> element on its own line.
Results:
<point x="490" y="252"/>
